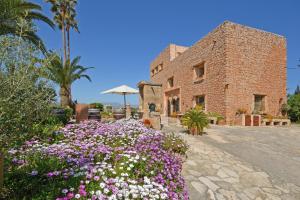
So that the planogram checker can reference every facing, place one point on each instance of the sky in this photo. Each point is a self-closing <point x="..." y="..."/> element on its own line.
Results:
<point x="120" y="38"/>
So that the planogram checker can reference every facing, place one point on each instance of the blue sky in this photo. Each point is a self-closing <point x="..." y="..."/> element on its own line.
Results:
<point x="120" y="38"/>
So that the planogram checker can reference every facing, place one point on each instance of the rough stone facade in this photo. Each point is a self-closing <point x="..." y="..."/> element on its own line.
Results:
<point x="239" y="62"/>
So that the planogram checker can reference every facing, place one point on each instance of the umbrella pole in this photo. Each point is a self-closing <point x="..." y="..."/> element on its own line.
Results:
<point x="124" y="102"/>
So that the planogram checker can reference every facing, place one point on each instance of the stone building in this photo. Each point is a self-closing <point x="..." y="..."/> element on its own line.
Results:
<point x="232" y="68"/>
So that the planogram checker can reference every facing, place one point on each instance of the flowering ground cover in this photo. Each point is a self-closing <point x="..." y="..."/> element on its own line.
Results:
<point x="92" y="160"/>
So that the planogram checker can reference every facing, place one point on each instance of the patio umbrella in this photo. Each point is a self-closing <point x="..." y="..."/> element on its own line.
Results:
<point x="122" y="90"/>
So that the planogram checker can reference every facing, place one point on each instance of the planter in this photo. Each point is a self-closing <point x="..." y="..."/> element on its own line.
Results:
<point x="94" y="114"/>
<point x="221" y="122"/>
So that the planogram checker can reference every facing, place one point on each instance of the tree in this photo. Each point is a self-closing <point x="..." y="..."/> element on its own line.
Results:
<point x="13" y="12"/>
<point x="297" y="91"/>
<point x="64" y="15"/>
<point x="64" y="75"/>
<point x="195" y="120"/>
<point x="25" y="100"/>
<point x="294" y="107"/>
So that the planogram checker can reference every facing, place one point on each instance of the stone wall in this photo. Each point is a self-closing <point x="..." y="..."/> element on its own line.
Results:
<point x="255" y="64"/>
<point x="239" y="62"/>
<point x="149" y="93"/>
<point x="211" y="50"/>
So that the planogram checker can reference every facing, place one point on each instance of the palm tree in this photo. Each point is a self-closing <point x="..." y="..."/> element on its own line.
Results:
<point x="12" y="11"/>
<point x="65" y="75"/>
<point x="64" y="15"/>
<point x="195" y="120"/>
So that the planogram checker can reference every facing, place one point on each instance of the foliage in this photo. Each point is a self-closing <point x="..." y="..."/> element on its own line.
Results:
<point x="241" y="111"/>
<point x="64" y="75"/>
<point x="294" y="107"/>
<point x="297" y="91"/>
<point x="15" y="13"/>
<point x="97" y="106"/>
<point x="216" y="115"/>
<point x="63" y="117"/>
<point x="106" y="115"/>
<point x="64" y="16"/>
<point x="94" y="160"/>
<point x="196" y="120"/>
<point x="175" y="144"/>
<point x="284" y="109"/>
<point x="25" y="98"/>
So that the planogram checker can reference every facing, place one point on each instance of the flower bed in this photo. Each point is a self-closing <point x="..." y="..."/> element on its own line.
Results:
<point x="92" y="160"/>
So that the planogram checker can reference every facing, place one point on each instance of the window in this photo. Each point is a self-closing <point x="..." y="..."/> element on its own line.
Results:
<point x="200" y="101"/>
<point x="160" y="67"/>
<point x="152" y="72"/>
<point x="259" y="103"/>
<point x="199" y="71"/>
<point x="171" y="82"/>
<point x="156" y="69"/>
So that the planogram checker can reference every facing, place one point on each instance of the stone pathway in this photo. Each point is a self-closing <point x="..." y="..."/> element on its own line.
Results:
<point x="214" y="174"/>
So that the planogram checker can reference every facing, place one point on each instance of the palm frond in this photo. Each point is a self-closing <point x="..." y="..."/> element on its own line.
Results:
<point x="40" y="17"/>
<point x="35" y="39"/>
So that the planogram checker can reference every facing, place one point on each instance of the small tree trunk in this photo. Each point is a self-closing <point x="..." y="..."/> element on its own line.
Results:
<point x="1" y="169"/>
<point x="68" y="43"/>
<point x="64" y="97"/>
<point x="70" y="95"/>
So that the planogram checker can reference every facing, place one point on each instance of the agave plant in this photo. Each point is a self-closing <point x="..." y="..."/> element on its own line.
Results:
<point x="195" y="120"/>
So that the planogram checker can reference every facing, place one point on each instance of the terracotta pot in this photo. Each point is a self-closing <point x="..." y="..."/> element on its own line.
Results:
<point x="221" y="122"/>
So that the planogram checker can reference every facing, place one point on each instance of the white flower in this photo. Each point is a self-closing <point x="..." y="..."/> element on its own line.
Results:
<point x="163" y="196"/>
<point x="65" y="191"/>
<point x="106" y="191"/>
<point x="98" y="192"/>
<point x="77" y="196"/>
<point x="102" y="185"/>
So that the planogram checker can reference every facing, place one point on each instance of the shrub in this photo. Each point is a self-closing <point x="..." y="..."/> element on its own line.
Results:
<point x="64" y="116"/>
<point x="196" y="120"/>
<point x="106" y="115"/>
<point x="25" y="98"/>
<point x="97" y="106"/>
<point x="217" y="115"/>
<point x="241" y="111"/>
<point x="175" y="144"/>
<point x="294" y="107"/>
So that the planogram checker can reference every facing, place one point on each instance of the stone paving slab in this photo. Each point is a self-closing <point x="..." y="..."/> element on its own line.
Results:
<point x="214" y="174"/>
<point x="219" y="175"/>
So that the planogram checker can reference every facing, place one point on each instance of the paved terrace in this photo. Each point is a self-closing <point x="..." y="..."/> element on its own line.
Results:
<point x="243" y="163"/>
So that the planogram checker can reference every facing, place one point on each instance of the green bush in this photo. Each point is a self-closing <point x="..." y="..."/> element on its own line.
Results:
<point x="175" y="144"/>
<point x="97" y="106"/>
<point x="217" y="115"/>
<point x="25" y="98"/>
<point x="63" y="118"/>
<point x="196" y="120"/>
<point x="294" y="107"/>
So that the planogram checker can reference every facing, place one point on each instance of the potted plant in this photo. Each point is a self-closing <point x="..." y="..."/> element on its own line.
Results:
<point x="241" y="111"/>
<point x="147" y="123"/>
<point x="195" y="120"/>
